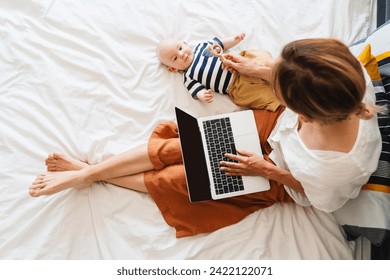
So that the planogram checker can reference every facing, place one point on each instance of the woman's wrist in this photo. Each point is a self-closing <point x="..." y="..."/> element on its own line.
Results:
<point x="265" y="69"/>
<point x="284" y="177"/>
<point x="264" y="72"/>
<point x="272" y="172"/>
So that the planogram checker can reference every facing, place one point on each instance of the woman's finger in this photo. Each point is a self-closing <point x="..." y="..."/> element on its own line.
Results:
<point x="228" y="164"/>
<point x="231" y="171"/>
<point x="244" y="153"/>
<point x="233" y="157"/>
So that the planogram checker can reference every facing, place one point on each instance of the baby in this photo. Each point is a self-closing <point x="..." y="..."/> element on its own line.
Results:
<point x="203" y="73"/>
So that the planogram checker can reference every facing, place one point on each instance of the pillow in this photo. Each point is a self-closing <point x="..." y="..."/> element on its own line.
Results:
<point x="368" y="215"/>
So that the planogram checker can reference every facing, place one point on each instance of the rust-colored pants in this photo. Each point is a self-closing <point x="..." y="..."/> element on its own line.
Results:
<point x="167" y="184"/>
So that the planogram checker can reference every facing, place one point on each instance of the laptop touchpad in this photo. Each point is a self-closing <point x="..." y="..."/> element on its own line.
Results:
<point x="249" y="143"/>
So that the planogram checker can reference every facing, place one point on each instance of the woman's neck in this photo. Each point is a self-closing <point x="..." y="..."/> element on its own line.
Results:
<point x="336" y="136"/>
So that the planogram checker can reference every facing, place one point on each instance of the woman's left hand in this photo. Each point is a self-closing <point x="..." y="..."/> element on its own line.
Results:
<point x="247" y="164"/>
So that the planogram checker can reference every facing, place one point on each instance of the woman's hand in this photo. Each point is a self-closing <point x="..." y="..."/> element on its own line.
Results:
<point x="234" y="63"/>
<point x="247" y="164"/>
<point x="258" y="67"/>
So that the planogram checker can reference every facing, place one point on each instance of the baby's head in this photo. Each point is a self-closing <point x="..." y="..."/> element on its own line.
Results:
<point x="175" y="54"/>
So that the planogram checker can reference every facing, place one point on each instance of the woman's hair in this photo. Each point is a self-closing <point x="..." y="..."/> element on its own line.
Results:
<point x="321" y="79"/>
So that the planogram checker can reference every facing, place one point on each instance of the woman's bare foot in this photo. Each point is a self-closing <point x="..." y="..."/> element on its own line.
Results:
<point x="60" y="162"/>
<point x="53" y="182"/>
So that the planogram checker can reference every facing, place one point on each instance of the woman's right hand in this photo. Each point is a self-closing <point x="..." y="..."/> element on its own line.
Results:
<point x="235" y="63"/>
<point x="257" y="68"/>
<point x="246" y="164"/>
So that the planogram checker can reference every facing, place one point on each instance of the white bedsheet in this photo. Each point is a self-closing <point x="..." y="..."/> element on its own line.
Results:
<point x="81" y="78"/>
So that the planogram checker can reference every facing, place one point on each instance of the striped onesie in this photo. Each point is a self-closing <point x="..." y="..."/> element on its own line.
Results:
<point x="206" y="72"/>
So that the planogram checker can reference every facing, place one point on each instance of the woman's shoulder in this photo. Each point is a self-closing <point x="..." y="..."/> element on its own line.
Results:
<point x="287" y="120"/>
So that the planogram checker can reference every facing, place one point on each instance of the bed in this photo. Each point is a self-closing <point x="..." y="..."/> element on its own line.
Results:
<point x="82" y="78"/>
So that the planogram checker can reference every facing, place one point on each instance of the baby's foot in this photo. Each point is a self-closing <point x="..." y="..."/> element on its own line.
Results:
<point x="53" y="182"/>
<point x="60" y="162"/>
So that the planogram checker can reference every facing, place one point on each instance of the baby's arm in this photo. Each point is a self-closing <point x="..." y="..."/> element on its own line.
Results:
<point x="197" y="90"/>
<point x="233" y="41"/>
<point x="205" y="95"/>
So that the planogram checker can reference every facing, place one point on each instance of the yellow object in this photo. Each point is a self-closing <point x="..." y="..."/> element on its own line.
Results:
<point x="370" y="63"/>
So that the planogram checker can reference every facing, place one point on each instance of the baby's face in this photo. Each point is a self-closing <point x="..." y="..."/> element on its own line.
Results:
<point x="176" y="55"/>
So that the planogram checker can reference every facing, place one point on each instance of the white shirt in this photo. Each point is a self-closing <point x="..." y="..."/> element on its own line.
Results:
<point x="328" y="178"/>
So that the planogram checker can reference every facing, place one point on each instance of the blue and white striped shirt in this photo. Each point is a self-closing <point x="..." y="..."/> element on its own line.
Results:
<point x="206" y="72"/>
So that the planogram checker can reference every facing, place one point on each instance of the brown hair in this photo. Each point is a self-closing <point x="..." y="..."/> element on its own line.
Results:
<point x="321" y="79"/>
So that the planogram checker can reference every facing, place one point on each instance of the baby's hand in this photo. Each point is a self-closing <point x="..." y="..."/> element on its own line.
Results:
<point x="205" y="95"/>
<point x="239" y="37"/>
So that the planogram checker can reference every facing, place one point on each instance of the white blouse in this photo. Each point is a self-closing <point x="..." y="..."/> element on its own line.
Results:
<point x="328" y="178"/>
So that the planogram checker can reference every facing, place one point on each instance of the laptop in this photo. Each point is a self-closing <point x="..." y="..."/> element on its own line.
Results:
<point x="204" y="141"/>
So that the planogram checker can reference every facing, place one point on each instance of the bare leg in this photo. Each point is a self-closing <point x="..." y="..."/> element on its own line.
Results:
<point x="53" y="182"/>
<point x="134" y="162"/>
<point x="58" y="162"/>
<point x="133" y="182"/>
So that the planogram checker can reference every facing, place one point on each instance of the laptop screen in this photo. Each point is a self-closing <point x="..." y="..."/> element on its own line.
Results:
<point x="198" y="182"/>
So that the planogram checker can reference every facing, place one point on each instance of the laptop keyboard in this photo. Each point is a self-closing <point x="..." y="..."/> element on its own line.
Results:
<point x="219" y="139"/>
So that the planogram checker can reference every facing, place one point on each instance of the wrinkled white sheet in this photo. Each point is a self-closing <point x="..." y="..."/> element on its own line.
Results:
<point x="81" y="78"/>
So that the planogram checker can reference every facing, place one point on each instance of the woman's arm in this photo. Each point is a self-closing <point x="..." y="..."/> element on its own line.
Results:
<point x="284" y="177"/>
<point x="249" y="164"/>
<point x="258" y="68"/>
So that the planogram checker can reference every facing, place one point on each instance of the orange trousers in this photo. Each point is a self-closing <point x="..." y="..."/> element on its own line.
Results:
<point x="167" y="184"/>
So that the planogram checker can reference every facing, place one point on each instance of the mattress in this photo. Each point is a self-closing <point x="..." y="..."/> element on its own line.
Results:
<point x="82" y="78"/>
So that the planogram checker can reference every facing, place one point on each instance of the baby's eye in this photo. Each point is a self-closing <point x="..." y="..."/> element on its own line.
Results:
<point x="180" y="48"/>
<point x="174" y="59"/>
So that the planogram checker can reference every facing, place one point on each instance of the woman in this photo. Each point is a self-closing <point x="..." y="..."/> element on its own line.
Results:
<point x="328" y="132"/>
<point x="320" y="150"/>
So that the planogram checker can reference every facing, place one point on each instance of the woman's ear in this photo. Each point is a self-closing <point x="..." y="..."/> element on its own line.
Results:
<point x="304" y="119"/>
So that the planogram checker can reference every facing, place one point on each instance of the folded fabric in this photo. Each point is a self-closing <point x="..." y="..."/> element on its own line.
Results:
<point x="369" y="214"/>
